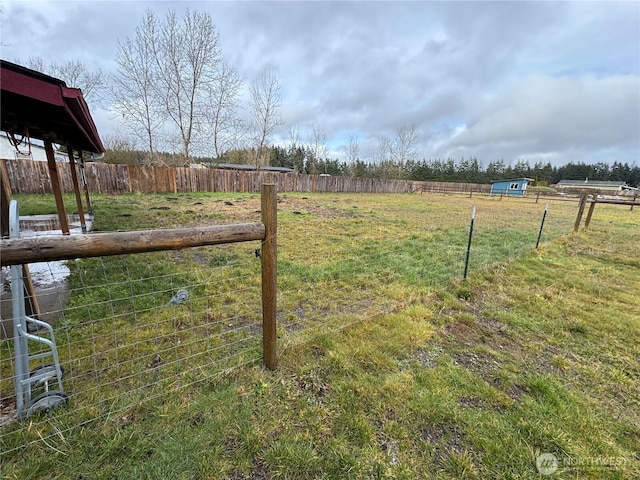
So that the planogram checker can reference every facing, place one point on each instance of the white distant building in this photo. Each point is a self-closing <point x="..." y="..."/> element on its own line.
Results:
<point x="594" y="185"/>
<point x="36" y="152"/>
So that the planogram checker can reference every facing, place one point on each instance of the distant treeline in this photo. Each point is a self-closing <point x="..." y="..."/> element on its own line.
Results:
<point x="302" y="160"/>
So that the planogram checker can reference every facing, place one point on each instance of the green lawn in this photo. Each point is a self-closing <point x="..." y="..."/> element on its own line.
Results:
<point x="390" y="365"/>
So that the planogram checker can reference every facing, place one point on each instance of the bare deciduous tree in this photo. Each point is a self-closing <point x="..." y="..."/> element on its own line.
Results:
<point x="187" y="56"/>
<point x="352" y="149"/>
<point x="75" y="74"/>
<point x="120" y="149"/>
<point x="133" y="88"/>
<point x="383" y="153"/>
<point x="319" y="147"/>
<point x="165" y="79"/>
<point x="294" y="137"/>
<point x="295" y="150"/>
<point x="386" y="167"/>
<point x="403" y="147"/>
<point x="265" y="102"/>
<point x="222" y="103"/>
<point x="118" y="143"/>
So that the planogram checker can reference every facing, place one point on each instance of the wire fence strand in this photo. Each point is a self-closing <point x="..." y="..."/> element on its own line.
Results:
<point x="126" y="346"/>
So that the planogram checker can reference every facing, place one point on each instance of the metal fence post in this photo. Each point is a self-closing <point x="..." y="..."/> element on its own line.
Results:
<point x="269" y="274"/>
<point x="544" y="215"/>
<point x="466" y="261"/>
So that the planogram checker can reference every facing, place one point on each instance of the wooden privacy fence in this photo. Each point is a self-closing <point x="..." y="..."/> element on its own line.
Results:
<point x="28" y="176"/>
<point x="455" y="187"/>
<point x="22" y="251"/>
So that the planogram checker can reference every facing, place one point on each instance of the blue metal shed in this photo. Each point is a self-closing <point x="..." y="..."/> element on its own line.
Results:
<point x="515" y="186"/>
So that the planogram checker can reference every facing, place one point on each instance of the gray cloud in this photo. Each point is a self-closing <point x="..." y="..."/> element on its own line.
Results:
<point x="535" y="80"/>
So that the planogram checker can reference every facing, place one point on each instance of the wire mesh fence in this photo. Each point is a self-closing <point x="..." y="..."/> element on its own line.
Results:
<point x="363" y="257"/>
<point x="135" y="331"/>
<point x="137" y="327"/>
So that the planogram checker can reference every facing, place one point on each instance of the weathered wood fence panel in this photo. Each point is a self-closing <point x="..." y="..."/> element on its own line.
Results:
<point x="33" y="177"/>
<point x="444" y="187"/>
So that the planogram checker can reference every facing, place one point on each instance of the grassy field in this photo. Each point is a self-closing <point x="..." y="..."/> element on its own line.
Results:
<point x="390" y="365"/>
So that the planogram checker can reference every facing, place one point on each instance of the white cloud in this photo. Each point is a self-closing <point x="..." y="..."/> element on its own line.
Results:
<point x="534" y="80"/>
<point x="542" y="114"/>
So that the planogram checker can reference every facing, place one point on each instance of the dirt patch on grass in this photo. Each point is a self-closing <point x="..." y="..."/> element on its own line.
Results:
<point x="483" y="331"/>
<point x="474" y="402"/>
<point x="304" y="206"/>
<point x="479" y="363"/>
<point x="488" y="348"/>
<point x="445" y="440"/>
<point x="471" y="345"/>
<point x="248" y="209"/>
<point x="427" y="357"/>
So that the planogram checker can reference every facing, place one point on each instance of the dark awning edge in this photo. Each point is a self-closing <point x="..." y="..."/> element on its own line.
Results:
<point x="46" y="108"/>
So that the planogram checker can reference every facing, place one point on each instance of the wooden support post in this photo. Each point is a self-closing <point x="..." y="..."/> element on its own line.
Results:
<point x="594" y="200"/>
<point x="56" y="186"/>
<point x="76" y="190"/>
<point x="269" y="274"/>
<point x="5" y="198"/>
<point x="84" y="183"/>
<point x="32" y="307"/>
<point x="583" y="201"/>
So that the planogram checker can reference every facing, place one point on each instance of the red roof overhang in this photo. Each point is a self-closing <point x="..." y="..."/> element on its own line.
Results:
<point x="46" y="108"/>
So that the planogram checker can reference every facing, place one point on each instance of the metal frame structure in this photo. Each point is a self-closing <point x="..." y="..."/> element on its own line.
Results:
<point x="27" y="380"/>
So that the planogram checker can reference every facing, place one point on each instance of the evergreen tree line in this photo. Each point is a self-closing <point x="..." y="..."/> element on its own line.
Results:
<point x="469" y="170"/>
<point x="302" y="160"/>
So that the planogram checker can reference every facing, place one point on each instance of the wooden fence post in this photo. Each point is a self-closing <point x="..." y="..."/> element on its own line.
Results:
<point x="594" y="200"/>
<point x="269" y="274"/>
<point x="31" y="305"/>
<point x="5" y="198"/>
<point x="76" y="190"/>
<point x="56" y="186"/>
<point x="583" y="201"/>
<point x="85" y="187"/>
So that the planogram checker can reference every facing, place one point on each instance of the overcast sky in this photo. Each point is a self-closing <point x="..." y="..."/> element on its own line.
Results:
<point x="540" y="81"/>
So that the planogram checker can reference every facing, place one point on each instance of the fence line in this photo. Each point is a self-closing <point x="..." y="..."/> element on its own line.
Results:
<point x="632" y="202"/>
<point x="21" y="251"/>
<point x="27" y="176"/>
<point x="17" y="251"/>
<point x="343" y="258"/>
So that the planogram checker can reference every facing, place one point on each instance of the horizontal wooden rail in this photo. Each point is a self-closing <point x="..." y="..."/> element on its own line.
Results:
<point x="614" y="201"/>
<point x="19" y="251"/>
